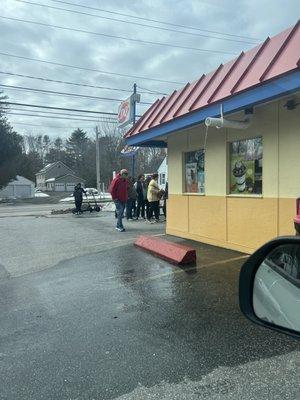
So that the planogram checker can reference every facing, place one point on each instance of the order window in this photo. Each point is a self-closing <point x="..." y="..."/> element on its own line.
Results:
<point x="246" y="158"/>
<point x="194" y="171"/>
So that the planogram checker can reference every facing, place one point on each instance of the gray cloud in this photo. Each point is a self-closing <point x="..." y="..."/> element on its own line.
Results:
<point x="256" y="19"/>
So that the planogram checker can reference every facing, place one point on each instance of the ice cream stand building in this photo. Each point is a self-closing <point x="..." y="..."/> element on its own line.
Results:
<point x="233" y="139"/>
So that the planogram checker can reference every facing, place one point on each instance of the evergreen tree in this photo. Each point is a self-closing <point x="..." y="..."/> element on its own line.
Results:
<point x="58" y="144"/>
<point x="10" y="152"/>
<point x="76" y="147"/>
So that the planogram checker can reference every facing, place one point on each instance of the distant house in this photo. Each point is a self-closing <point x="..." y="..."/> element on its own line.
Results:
<point x="57" y="177"/>
<point x="163" y="173"/>
<point x="19" y="188"/>
<point x="63" y="183"/>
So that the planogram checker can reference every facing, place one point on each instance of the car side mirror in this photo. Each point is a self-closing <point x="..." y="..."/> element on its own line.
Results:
<point x="269" y="290"/>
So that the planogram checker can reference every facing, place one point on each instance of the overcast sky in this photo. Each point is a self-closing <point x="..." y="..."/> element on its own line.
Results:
<point x="245" y="22"/>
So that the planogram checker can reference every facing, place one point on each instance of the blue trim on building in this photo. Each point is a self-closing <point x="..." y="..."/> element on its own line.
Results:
<point x="129" y="154"/>
<point x="266" y="92"/>
<point x="154" y="143"/>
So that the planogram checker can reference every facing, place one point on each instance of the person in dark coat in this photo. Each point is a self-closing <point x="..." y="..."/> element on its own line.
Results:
<point x="131" y="201"/>
<point x="78" y="191"/>
<point x="147" y="205"/>
<point x="165" y="198"/>
<point x="140" y="191"/>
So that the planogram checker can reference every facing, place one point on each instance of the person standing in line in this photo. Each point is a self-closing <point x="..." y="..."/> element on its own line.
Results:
<point x="140" y="191"/>
<point x="147" y="204"/>
<point x="132" y="195"/>
<point x="119" y="193"/>
<point x="78" y="190"/>
<point x="165" y="198"/>
<point x="154" y="195"/>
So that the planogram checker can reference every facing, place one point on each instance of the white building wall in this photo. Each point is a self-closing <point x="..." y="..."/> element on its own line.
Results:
<point x="163" y="173"/>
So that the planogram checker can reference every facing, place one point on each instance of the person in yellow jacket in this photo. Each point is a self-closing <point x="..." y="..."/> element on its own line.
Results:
<point x="154" y="195"/>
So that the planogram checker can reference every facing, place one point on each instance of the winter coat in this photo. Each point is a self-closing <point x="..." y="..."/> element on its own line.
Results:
<point x="132" y="194"/>
<point x="118" y="189"/>
<point x="166" y="193"/>
<point x="139" y="187"/>
<point x="78" y="193"/>
<point x="153" y="191"/>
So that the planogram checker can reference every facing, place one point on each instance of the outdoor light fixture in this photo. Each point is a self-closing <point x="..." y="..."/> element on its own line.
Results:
<point x="291" y="104"/>
<point x="227" y="123"/>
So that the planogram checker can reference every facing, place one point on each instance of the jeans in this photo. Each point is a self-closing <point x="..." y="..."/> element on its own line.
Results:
<point x="165" y="208"/>
<point x="120" y="207"/>
<point x="140" y="209"/>
<point x="154" y="207"/>
<point x="130" y="204"/>
<point x="147" y="205"/>
<point x="78" y="204"/>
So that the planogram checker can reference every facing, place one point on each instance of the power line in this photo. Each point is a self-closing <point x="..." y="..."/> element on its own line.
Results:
<point x="49" y="126"/>
<point x="51" y="113"/>
<point x="149" y="91"/>
<point x="46" y="116"/>
<point x="53" y="92"/>
<point x="57" y="108"/>
<point x="253" y="42"/>
<point x="153" y="20"/>
<point x="64" y="82"/>
<point x="73" y="83"/>
<point x="27" y="89"/>
<point x="89" y="69"/>
<point x="115" y="36"/>
<point x="62" y="108"/>
<point x="52" y="126"/>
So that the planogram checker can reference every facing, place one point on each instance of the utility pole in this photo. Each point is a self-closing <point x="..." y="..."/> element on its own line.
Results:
<point x="134" y="118"/>
<point x="98" y="161"/>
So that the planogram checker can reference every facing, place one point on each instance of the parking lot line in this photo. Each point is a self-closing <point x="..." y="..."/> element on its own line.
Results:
<point x="178" y="270"/>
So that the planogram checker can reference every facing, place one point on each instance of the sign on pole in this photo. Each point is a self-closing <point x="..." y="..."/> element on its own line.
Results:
<point x="127" y="115"/>
<point x="126" y="112"/>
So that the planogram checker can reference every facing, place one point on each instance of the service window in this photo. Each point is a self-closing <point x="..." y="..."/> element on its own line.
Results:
<point x="194" y="171"/>
<point x="246" y="158"/>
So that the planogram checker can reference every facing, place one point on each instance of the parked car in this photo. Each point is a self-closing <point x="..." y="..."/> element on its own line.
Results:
<point x="91" y="191"/>
<point x="269" y="290"/>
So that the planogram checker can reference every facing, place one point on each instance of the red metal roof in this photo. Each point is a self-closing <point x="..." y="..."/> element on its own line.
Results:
<point x="271" y="59"/>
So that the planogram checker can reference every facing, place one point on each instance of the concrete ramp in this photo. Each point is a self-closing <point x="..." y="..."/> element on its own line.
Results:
<point x="175" y="253"/>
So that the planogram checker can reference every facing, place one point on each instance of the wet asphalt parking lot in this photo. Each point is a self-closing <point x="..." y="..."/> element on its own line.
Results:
<point x="86" y="315"/>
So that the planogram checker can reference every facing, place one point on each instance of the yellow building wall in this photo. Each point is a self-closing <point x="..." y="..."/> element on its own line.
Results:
<point x="237" y="221"/>
<point x="251" y="222"/>
<point x="289" y="152"/>
<point x="207" y="216"/>
<point x="178" y="213"/>
<point x="286" y="213"/>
